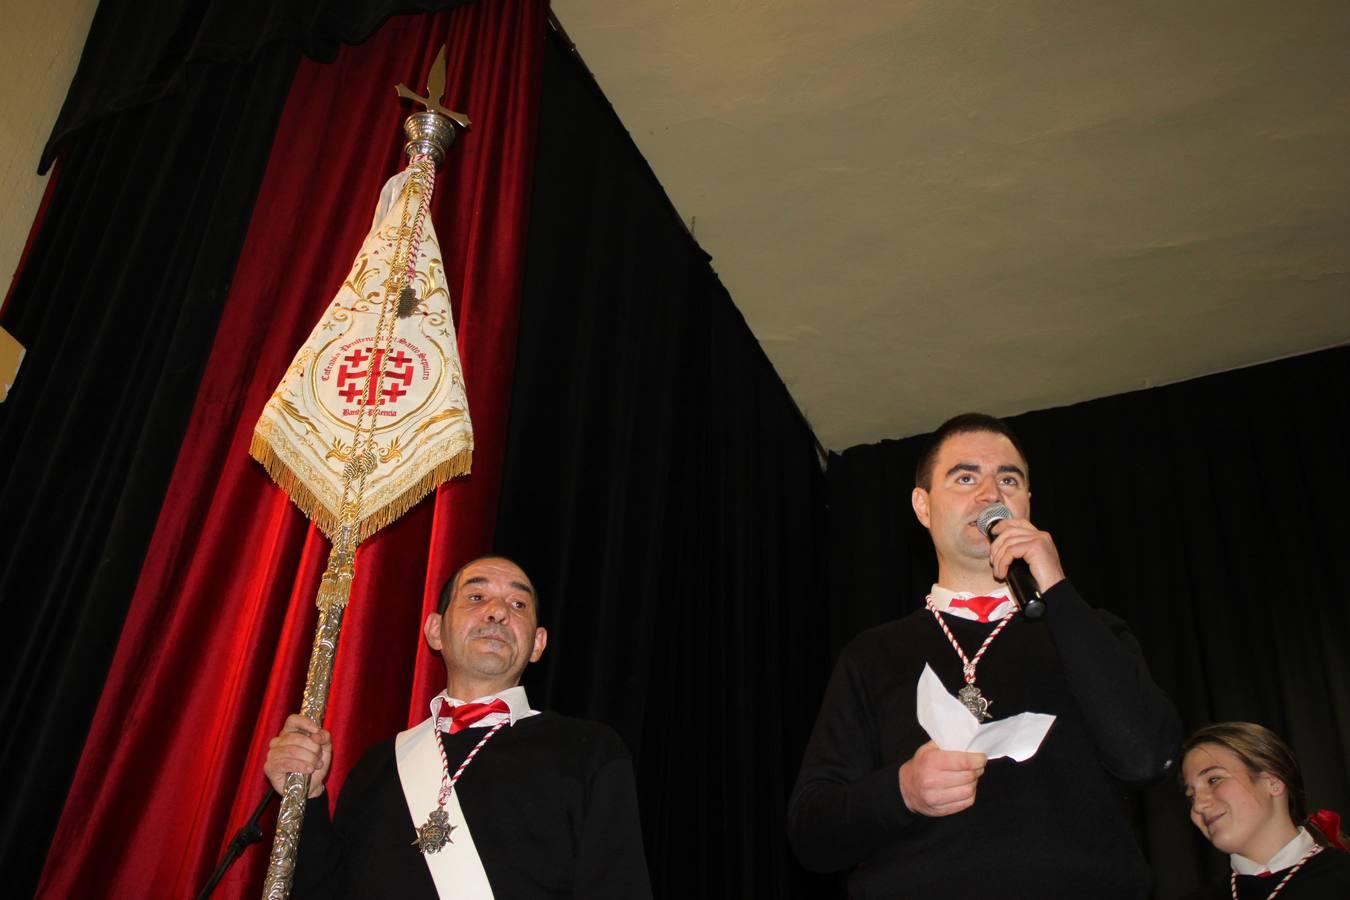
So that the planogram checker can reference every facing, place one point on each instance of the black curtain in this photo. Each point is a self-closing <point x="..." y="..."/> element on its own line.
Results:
<point x="1204" y="513"/>
<point x="665" y="494"/>
<point x="140" y="51"/>
<point x="163" y="141"/>
<point x="117" y="304"/>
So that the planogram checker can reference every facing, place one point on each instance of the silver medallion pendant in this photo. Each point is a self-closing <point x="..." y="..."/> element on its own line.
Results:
<point x="973" y="700"/>
<point x="435" y="834"/>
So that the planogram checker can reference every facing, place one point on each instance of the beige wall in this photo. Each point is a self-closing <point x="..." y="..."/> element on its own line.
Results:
<point x="40" y="46"/>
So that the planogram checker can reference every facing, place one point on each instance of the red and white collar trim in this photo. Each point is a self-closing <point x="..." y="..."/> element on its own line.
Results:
<point x="513" y="697"/>
<point x="941" y="598"/>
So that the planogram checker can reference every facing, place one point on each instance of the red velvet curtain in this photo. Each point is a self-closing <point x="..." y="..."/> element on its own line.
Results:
<point x="215" y="647"/>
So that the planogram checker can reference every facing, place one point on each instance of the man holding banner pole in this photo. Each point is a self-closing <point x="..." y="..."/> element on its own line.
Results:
<point x="486" y="797"/>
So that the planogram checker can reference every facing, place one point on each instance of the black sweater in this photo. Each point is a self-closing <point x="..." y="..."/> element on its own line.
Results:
<point x="1324" y="877"/>
<point x="550" y="800"/>
<point x="1054" y="825"/>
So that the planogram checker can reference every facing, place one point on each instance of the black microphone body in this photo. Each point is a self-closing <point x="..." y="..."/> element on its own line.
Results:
<point x="1020" y="579"/>
<point x="1025" y="589"/>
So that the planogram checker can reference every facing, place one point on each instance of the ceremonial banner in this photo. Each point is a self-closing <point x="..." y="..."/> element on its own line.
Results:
<point x="377" y="391"/>
<point x="371" y="415"/>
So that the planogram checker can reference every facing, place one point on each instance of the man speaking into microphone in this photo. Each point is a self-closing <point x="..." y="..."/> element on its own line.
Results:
<point x="877" y="797"/>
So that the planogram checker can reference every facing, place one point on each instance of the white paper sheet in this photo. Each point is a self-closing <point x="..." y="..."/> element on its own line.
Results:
<point x="952" y="727"/>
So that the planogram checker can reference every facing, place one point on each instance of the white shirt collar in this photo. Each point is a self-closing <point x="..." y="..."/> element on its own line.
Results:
<point x="1285" y="857"/>
<point x="513" y="697"/>
<point x="941" y="599"/>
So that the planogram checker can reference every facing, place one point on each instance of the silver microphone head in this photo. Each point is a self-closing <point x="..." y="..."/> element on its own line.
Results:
<point x="991" y="516"/>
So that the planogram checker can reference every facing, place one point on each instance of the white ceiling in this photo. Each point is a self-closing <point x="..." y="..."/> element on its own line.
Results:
<point x="929" y="206"/>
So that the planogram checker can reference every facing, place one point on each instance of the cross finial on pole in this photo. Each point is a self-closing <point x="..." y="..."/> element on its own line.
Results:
<point x="436" y="89"/>
<point x="430" y="133"/>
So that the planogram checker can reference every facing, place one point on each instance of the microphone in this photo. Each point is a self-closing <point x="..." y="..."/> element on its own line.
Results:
<point x="1020" y="579"/>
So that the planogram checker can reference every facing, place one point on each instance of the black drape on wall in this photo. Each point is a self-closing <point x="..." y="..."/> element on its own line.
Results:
<point x="164" y="138"/>
<point x="140" y="51"/>
<point x="1207" y="515"/>
<point x="664" y="492"/>
<point x="117" y="303"/>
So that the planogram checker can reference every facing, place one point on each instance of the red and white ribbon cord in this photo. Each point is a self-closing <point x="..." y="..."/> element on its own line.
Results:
<point x="448" y="780"/>
<point x="1312" y="851"/>
<point x="416" y="244"/>
<point x="968" y="665"/>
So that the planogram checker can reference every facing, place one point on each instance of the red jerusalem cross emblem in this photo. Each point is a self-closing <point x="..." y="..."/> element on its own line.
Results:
<point x="344" y="388"/>
<point x="356" y="384"/>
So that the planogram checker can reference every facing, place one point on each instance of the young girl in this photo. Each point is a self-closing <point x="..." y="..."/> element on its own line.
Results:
<point x="1246" y="796"/>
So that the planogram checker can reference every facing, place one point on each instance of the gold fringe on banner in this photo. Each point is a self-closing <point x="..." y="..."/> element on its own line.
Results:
<point x="457" y="465"/>
<point x="309" y="504"/>
<point x="296" y="489"/>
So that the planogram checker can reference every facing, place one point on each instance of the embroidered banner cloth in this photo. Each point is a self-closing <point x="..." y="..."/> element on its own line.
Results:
<point x="373" y="389"/>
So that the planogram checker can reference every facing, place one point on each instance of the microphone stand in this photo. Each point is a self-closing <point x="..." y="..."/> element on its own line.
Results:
<point x="248" y="833"/>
